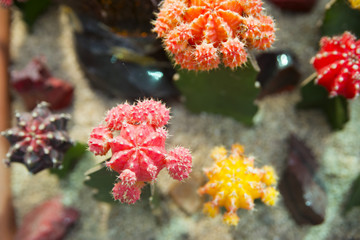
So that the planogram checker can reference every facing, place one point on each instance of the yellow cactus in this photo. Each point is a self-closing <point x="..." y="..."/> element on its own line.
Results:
<point x="234" y="183"/>
<point x="355" y="4"/>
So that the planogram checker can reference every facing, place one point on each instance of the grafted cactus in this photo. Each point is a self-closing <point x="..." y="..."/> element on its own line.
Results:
<point x="138" y="150"/>
<point x="39" y="139"/>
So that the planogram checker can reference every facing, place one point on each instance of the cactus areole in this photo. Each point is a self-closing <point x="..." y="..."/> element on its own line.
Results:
<point x="136" y="135"/>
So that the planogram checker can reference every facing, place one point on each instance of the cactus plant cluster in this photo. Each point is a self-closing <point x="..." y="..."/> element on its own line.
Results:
<point x="138" y="151"/>
<point x="201" y="34"/>
<point x="338" y="65"/>
<point x="235" y="183"/>
<point x="39" y="139"/>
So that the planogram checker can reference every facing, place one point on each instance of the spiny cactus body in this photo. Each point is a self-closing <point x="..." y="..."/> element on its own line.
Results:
<point x="203" y="33"/>
<point x="39" y="139"/>
<point x="338" y="65"/>
<point x="138" y="150"/>
<point x="235" y="183"/>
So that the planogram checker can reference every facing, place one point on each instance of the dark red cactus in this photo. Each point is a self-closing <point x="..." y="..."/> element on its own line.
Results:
<point x="35" y="84"/>
<point x="51" y="220"/>
<point x="39" y="139"/>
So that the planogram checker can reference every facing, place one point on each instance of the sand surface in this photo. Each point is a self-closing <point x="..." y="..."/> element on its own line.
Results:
<point x="338" y="152"/>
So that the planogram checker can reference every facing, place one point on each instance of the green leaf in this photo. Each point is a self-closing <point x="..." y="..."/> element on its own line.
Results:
<point x="71" y="158"/>
<point x="354" y="197"/>
<point x="335" y="108"/>
<point x="222" y="91"/>
<point x="340" y="17"/>
<point x="32" y="9"/>
<point x="102" y="180"/>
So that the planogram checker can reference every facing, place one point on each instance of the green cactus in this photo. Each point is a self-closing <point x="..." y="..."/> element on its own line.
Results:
<point x="222" y="91"/>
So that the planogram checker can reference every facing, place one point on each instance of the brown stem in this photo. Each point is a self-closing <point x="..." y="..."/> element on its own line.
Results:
<point x="309" y="79"/>
<point x="7" y="220"/>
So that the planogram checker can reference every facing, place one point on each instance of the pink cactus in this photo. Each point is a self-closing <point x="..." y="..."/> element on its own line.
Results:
<point x="138" y="151"/>
<point x="8" y="3"/>
<point x="203" y="33"/>
<point x="5" y="3"/>
<point x="98" y="141"/>
<point x="338" y="65"/>
<point x="126" y="193"/>
<point x="179" y="163"/>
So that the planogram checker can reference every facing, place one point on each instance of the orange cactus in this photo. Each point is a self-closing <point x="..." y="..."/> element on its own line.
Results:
<point x="201" y="34"/>
<point x="235" y="183"/>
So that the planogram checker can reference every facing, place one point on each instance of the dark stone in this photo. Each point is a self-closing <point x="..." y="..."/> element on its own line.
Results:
<point x="278" y="72"/>
<point x="184" y="236"/>
<point x="50" y="220"/>
<point x="295" y="5"/>
<point x="135" y="15"/>
<point x="302" y="192"/>
<point x="129" y="65"/>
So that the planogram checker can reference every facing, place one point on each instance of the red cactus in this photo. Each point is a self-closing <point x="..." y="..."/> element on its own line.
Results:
<point x="34" y="83"/>
<point x="138" y="151"/>
<point x="50" y="220"/>
<point x="338" y="64"/>
<point x="203" y="33"/>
